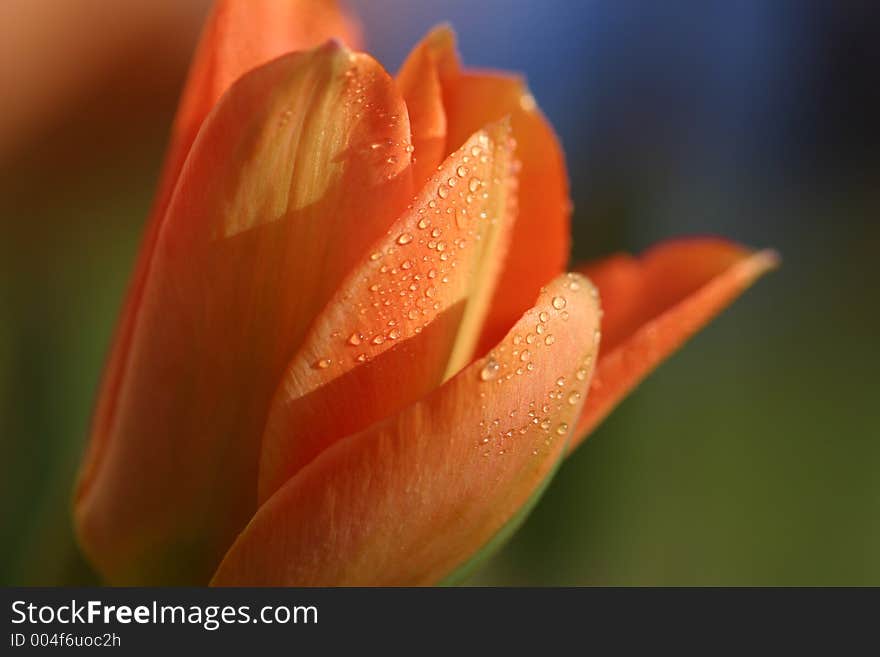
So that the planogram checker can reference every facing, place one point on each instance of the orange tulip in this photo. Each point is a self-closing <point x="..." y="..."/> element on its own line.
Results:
<point x="350" y="353"/>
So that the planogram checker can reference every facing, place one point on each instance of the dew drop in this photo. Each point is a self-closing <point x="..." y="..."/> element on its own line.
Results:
<point x="322" y="364"/>
<point x="462" y="171"/>
<point x="549" y="339"/>
<point x="354" y="339"/>
<point x="543" y="316"/>
<point x="379" y="339"/>
<point x="574" y="397"/>
<point x="559" y="303"/>
<point x="474" y="184"/>
<point x="490" y="370"/>
<point x="525" y="355"/>
<point x="562" y="429"/>
<point x="405" y="238"/>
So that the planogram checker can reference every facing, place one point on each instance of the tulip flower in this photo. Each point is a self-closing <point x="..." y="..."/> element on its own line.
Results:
<point x="350" y="353"/>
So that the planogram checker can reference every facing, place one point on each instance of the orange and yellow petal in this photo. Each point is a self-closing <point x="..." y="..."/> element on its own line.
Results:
<point x="411" y="499"/>
<point x="540" y="242"/>
<point x="238" y="36"/>
<point x="422" y="79"/>
<point x="652" y="304"/>
<point x="539" y="247"/>
<point x="288" y="183"/>
<point x="405" y="318"/>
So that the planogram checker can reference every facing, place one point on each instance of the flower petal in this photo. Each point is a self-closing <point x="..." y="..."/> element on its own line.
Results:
<point x="410" y="499"/>
<point x="539" y="248"/>
<point x="406" y="315"/>
<point x="241" y="35"/>
<point x="422" y="78"/>
<point x="284" y="189"/>
<point x="238" y="36"/>
<point x="653" y="304"/>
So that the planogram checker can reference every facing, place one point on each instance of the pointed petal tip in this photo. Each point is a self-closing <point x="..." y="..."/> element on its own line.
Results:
<point x="770" y="258"/>
<point x="654" y="303"/>
<point x="334" y="44"/>
<point x="441" y="36"/>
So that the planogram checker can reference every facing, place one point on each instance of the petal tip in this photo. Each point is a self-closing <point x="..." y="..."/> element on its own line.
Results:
<point x="769" y="259"/>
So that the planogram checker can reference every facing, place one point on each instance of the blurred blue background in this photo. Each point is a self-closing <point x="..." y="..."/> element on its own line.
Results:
<point x="751" y="457"/>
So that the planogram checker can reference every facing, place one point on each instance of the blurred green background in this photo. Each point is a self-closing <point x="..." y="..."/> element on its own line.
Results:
<point x="750" y="458"/>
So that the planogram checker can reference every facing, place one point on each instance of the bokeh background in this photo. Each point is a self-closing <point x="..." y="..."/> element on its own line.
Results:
<point x="752" y="457"/>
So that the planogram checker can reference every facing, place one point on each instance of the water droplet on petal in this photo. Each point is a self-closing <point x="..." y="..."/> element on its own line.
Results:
<point x="549" y="340"/>
<point x="490" y="370"/>
<point x="322" y="364"/>
<point x="559" y="303"/>
<point x="405" y="238"/>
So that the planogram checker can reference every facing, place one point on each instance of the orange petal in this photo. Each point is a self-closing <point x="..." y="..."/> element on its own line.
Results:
<point x="539" y="247"/>
<point x="654" y="303"/>
<point x="422" y="78"/>
<point x="540" y="244"/>
<point x="243" y="34"/>
<point x="405" y="316"/>
<point x="238" y="36"/>
<point x="410" y="499"/>
<point x="284" y="189"/>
